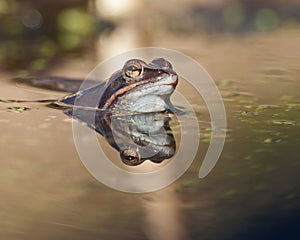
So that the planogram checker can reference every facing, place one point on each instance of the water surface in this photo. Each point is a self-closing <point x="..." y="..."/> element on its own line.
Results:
<point x="252" y="193"/>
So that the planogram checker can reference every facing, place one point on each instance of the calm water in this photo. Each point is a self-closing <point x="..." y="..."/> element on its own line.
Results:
<point x="252" y="193"/>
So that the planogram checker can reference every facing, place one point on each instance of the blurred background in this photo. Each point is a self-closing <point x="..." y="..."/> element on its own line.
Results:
<point x="249" y="47"/>
<point x="38" y="34"/>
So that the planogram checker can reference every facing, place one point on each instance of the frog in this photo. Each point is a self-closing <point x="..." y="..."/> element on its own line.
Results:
<point x="139" y="92"/>
<point x="136" y="88"/>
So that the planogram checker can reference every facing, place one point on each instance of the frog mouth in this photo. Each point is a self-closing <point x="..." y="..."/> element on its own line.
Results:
<point x="174" y="84"/>
<point x="162" y="87"/>
<point x="169" y="80"/>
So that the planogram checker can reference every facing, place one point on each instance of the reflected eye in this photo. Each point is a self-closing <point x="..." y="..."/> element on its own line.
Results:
<point x="130" y="157"/>
<point x="132" y="69"/>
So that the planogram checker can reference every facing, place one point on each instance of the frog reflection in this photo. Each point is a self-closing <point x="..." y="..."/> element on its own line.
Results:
<point x="137" y="137"/>
<point x="140" y="94"/>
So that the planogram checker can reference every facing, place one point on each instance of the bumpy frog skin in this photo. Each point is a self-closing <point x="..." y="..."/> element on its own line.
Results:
<point x="137" y="88"/>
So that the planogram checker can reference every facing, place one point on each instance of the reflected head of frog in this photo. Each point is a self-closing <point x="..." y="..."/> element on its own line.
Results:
<point x="137" y="87"/>
<point x="131" y="157"/>
<point x="139" y="137"/>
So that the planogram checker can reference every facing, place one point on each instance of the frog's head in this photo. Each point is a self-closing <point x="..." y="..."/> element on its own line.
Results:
<point x="140" y="87"/>
<point x="137" y="87"/>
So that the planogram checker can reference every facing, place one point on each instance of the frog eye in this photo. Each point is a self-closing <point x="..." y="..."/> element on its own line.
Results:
<point x="161" y="63"/>
<point x="130" y="157"/>
<point x="132" y="69"/>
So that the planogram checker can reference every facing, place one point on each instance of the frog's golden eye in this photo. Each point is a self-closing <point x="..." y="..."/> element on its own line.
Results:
<point x="132" y="69"/>
<point x="130" y="157"/>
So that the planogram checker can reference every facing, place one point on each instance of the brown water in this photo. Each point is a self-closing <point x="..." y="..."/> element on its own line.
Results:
<point x="252" y="193"/>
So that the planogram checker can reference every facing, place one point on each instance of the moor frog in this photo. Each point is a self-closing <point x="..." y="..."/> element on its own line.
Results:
<point x="138" y="87"/>
<point x="135" y="91"/>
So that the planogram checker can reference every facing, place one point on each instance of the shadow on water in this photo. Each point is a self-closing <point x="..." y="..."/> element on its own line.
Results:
<point x="252" y="51"/>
